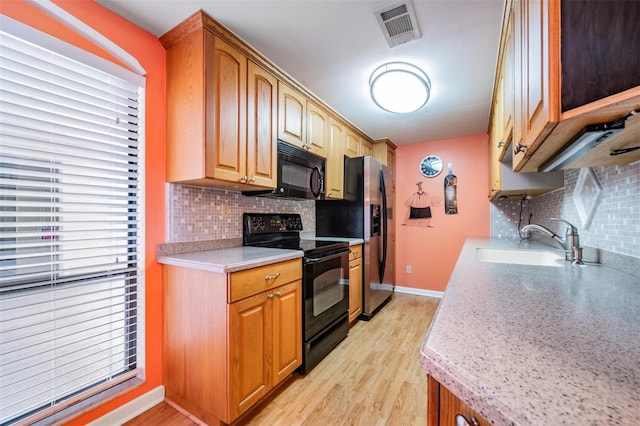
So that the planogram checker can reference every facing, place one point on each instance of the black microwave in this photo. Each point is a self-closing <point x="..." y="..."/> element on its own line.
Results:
<point x="300" y="174"/>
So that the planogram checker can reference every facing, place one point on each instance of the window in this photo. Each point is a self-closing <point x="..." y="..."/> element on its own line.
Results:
<point x="71" y="224"/>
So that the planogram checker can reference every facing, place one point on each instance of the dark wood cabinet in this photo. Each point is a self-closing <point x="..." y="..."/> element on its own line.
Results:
<point x="443" y="407"/>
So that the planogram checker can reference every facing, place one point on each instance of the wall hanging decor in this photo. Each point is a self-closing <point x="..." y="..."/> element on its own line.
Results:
<point x="450" y="189"/>
<point x="419" y="208"/>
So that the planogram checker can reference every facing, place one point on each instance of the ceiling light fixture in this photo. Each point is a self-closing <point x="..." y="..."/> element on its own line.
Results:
<point x="399" y="87"/>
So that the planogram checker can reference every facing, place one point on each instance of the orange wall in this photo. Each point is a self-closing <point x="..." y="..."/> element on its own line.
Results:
<point x="149" y="52"/>
<point x="432" y="251"/>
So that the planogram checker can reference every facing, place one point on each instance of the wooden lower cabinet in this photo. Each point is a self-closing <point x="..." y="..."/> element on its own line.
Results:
<point x="224" y="350"/>
<point x="355" y="283"/>
<point x="443" y="407"/>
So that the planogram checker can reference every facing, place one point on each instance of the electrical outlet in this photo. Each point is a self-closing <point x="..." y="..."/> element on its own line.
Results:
<point x="224" y="210"/>
<point x="408" y="269"/>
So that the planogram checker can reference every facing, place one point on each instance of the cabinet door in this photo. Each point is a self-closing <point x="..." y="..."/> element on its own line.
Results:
<point x="335" y="162"/>
<point x="537" y="51"/>
<point x="352" y="144"/>
<point x="317" y="130"/>
<point x="226" y="97"/>
<point x="262" y="126"/>
<point x="495" y="149"/>
<point x="451" y="406"/>
<point x="355" y="289"/>
<point x="291" y="115"/>
<point x="287" y="330"/>
<point x="250" y="347"/>
<point x="508" y="86"/>
<point x="366" y="147"/>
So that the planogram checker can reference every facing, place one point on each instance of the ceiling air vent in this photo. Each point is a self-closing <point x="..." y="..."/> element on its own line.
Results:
<point x="398" y="23"/>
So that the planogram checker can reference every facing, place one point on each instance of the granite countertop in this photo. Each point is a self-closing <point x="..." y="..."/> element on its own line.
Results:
<point x="231" y="259"/>
<point x="538" y="345"/>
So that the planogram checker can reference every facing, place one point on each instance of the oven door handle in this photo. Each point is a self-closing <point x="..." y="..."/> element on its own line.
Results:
<point x="308" y="260"/>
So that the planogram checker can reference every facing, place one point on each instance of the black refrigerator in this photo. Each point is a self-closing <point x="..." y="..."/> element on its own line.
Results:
<point x="365" y="212"/>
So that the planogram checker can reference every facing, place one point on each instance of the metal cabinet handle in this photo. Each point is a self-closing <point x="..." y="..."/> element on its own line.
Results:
<point x="272" y="277"/>
<point x="500" y="144"/>
<point x="519" y="148"/>
<point x="462" y="421"/>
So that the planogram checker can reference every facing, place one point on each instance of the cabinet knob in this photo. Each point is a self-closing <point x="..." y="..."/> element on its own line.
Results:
<point x="500" y="144"/>
<point x="278" y="294"/>
<point x="270" y="296"/>
<point x="462" y="421"/>
<point x="272" y="277"/>
<point x="244" y="179"/>
<point x="253" y="179"/>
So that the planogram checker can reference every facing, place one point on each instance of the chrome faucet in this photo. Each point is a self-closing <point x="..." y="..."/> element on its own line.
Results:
<point x="570" y="243"/>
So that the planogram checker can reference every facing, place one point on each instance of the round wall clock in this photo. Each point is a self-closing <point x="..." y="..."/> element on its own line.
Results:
<point x="431" y="166"/>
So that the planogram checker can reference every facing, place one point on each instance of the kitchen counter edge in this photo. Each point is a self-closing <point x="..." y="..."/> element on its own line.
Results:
<point x="229" y="260"/>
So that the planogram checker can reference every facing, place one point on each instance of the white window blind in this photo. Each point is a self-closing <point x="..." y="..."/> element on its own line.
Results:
<point x="71" y="234"/>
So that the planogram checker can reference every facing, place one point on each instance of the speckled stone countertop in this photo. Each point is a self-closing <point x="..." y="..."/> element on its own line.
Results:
<point x="538" y="345"/>
<point x="230" y="259"/>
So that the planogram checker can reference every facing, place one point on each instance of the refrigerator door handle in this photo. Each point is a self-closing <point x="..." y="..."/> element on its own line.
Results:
<point x="383" y="222"/>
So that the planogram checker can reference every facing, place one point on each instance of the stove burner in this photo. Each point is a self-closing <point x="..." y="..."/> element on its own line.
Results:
<point x="282" y="231"/>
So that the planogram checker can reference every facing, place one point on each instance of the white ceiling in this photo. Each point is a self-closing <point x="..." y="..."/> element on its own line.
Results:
<point x="332" y="46"/>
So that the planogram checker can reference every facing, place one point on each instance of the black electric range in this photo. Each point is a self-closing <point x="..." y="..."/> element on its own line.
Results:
<point x="325" y="280"/>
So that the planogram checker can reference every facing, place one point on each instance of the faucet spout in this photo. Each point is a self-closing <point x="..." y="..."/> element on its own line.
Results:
<point x="546" y="231"/>
<point x="570" y="244"/>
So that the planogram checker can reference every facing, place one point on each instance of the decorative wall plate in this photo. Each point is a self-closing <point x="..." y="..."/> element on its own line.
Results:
<point x="431" y="166"/>
<point x="587" y="195"/>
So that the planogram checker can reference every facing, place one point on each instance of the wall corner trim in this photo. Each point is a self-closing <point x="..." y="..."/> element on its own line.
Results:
<point x="131" y="409"/>
<point x="419" y="292"/>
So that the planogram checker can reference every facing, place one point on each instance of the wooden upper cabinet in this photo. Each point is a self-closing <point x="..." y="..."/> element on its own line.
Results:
<point x="570" y="73"/>
<point x="210" y="96"/>
<point x="228" y="105"/>
<point x="225" y="111"/>
<point x="351" y="144"/>
<point x="262" y="126"/>
<point x="507" y="97"/>
<point x="385" y="152"/>
<point x="317" y="130"/>
<point x="334" y="179"/>
<point x="366" y="147"/>
<point x="537" y="91"/>
<point x="292" y="111"/>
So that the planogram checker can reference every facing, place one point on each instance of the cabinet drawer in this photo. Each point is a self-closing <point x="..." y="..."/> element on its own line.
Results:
<point x="356" y="252"/>
<point x="252" y="281"/>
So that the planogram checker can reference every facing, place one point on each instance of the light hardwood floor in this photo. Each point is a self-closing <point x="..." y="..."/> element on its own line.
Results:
<point x="372" y="378"/>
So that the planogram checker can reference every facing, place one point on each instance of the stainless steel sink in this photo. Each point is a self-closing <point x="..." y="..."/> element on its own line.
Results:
<point x="521" y="257"/>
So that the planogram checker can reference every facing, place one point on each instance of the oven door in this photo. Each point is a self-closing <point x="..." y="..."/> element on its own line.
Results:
<point x="326" y="290"/>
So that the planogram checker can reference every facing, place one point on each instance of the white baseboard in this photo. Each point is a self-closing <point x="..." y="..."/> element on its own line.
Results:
<point x="419" y="292"/>
<point x="131" y="409"/>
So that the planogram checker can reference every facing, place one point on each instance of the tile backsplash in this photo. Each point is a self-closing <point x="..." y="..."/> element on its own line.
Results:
<point x="616" y="223"/>
<point x="200" y="214"/>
